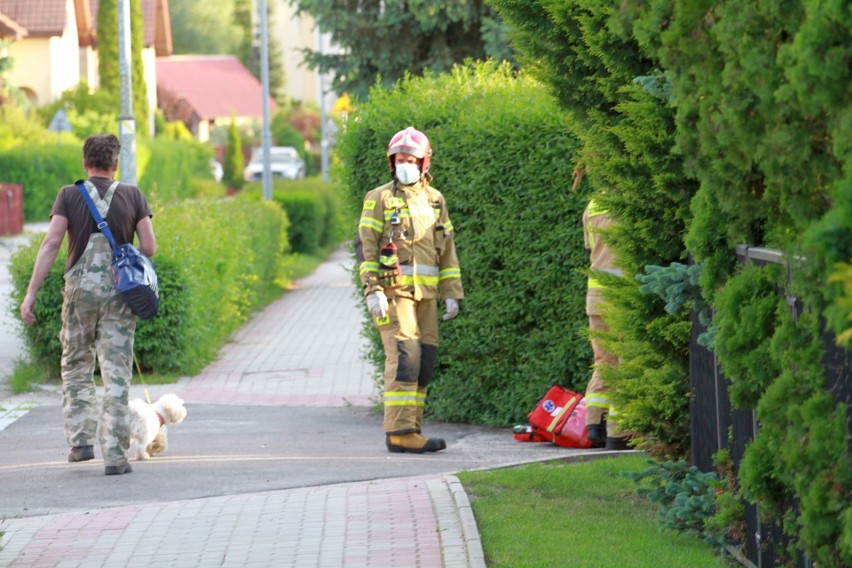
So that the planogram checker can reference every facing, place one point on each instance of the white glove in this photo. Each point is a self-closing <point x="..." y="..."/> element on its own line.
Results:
<point x="377" y="303"/>
<point x="452" y="308"/>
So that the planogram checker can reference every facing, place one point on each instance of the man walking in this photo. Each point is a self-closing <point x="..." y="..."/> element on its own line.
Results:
<point x="95" y="320"/>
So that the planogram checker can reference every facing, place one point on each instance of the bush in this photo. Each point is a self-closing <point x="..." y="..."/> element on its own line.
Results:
<point x="168" y="168"/>
<point x="229" y="252"/>
<point x="762" y="107"/>
<point x="503" y="158"/>
<point x="313" y="209"/>
<point x="233" y="161"/>
<point x="41" y="169"/>
<point x="216" y="262"/>
<point x="624" y="117"/>
<point x="165" y="169"/>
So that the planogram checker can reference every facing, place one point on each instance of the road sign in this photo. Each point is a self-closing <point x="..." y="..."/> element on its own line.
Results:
<point x="59" y="122"/>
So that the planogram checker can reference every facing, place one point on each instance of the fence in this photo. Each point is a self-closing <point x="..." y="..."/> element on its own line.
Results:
<point x="11" y="209"/>
<point x="715" y="425"/>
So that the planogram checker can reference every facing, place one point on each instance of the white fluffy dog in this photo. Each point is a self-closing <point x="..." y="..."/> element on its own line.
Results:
<point x="148" y="423"/>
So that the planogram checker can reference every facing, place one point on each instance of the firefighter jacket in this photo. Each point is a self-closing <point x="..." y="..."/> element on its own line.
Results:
<point x="415" y="217"/>
<point x="595" y="221"/>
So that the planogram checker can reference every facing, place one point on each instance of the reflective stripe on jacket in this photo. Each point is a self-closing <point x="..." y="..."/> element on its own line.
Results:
<point x="423" y="234"/>
<point x="595" y="221"/>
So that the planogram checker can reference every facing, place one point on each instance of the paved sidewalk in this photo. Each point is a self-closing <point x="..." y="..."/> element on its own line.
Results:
<point x="303" y="350"/>
<point x="405" y="522"/>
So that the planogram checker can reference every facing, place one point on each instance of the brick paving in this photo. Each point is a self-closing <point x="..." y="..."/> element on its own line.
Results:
<point x="392" y="523"/>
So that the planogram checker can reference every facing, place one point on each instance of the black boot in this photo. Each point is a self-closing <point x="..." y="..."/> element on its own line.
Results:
<point x="118" y="469"/>
<point x="596" y="433"/>
<point x="414" y="443"/>
<point x="617" y="444"/>
<point x="81" y="453"/>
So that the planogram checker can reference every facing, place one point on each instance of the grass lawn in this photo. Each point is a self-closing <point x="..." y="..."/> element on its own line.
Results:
<point x="578" y="515"/>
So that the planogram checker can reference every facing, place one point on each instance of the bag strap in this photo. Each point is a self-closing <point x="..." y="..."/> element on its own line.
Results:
<point x="102" y="225"/>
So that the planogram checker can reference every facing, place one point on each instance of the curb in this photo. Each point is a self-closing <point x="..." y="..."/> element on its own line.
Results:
<point x="469" y="528"/>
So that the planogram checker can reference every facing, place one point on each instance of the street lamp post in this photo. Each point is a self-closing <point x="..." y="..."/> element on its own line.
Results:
<point x="126" y="121"/>
<point x="265" y="136"/>
<point x="323" y="114"/>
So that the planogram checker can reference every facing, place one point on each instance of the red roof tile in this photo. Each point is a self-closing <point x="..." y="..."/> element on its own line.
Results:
<point x="40" y="17"/>
<point x="213" y="85"/>
<point x="45" y="18"/>
<point x="11" y="28"/>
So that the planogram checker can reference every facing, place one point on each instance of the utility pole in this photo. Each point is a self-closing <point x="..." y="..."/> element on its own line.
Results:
<point x="126" y="121"/>
<point x="323" y="115"/>
<point x="265" y="135"/>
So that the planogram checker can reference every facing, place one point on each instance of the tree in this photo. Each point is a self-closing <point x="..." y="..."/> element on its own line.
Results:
<point x="204" y="27"/>
<point x="5" y="65"/>
<point x="248" y="49"/>
<point x="388" y="39"/>
<point x="232" y="169"/>
<point x="629" y="161"/>
<point x="140" y="85"/>
<point x="108" y="64"/>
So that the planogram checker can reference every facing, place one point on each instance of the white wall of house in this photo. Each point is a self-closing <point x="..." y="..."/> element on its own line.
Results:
<point x="295" y="33"/>
<point x="31" y="68"/>
<point x="47" y="66"/>
<point x="89" y="68"/>
<point x="149" y="61"/>
<point x="202" y="128"/>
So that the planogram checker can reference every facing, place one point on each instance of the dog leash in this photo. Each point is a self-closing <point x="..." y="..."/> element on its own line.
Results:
<point x="139" y="372"/>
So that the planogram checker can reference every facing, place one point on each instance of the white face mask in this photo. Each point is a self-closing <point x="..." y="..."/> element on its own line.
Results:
<point x="407" y="173"/>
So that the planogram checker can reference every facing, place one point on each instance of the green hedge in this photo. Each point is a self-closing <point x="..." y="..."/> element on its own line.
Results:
<point x="624" y="120"/>
<point x="216" y="262"/>
<point x="503" y="158"/>
<point x="762" y="115"/>
<point x="313" y="208"/>
<point x="706" y="125"/>
<point x="41" y="169"/>
<point x="755" y="138"/>
<point x="165" y="169"/>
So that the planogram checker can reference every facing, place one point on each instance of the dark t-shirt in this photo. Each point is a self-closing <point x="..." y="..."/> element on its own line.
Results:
<point x="127" y="208"/>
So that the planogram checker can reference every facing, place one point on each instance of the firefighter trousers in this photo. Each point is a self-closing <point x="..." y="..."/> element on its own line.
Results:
<point x="410" y="338"/>
<point x="598" y="404"/>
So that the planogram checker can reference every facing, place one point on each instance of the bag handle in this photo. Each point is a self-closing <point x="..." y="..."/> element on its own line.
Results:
<point x="102" y="225"/>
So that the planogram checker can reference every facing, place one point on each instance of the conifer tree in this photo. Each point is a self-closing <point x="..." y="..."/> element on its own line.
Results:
<point x="378" y="39"/>
<point x="108" y="63"/>
<point x="232" y="168"/>
<point x="601" y="79"/>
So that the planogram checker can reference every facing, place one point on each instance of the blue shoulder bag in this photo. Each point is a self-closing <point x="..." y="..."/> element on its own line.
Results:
<point x="132" y="272"/>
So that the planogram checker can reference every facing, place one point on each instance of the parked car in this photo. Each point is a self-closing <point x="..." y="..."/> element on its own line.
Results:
<point x="284" y="162"/>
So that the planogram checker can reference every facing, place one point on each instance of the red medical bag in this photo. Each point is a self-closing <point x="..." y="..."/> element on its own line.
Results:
<point x="559" y="417"/>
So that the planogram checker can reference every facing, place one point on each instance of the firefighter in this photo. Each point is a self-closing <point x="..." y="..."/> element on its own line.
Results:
<point x="603" y="430"/>
<point x="408" y="262"/>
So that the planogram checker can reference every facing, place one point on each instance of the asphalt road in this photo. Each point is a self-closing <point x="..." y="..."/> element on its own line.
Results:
<point x="229" y="449"/>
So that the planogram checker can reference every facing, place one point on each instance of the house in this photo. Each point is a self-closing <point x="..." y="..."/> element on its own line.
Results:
<point x="296" y="32"/>
<point x="205" y="91"/>
<point x="54" y="45"/>
<point x="10" y="29"/>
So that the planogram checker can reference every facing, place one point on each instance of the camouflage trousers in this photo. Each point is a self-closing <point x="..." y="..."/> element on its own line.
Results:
<point x="96" y="322"/>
